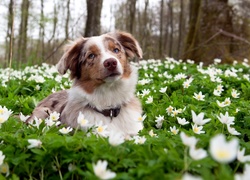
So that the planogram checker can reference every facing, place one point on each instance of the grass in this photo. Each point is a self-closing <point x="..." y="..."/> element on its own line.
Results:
<point x="162" y="156"/>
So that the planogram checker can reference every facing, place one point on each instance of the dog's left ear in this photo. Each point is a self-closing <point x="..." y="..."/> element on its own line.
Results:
<point x="130" y="44"/>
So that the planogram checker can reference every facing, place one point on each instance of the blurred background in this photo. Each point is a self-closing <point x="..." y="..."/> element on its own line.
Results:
<point x="34" y="31"/>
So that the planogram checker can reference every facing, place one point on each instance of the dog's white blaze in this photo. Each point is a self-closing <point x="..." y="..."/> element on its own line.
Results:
<point x="104" y="52"/>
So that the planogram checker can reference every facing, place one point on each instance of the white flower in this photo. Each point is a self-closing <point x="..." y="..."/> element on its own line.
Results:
<point x="174" y="130"/>
<point x="37" y="87"/>
<point x="34" y="143"/>
<point x="245" y="175"/>
<point x="199" y="96"/>
<point x="152" y="134"/>
<point x="116" y="138"/>
<point x="241" y="156"/>
<point x="198" y="119"/>
<point x="197" y="129"/>
<point x="216" y="92"/>
<point x="22" y="117"/>
<point x="219" y="88"/>
<point x="4" y="169"/>
<point x="188" y="141"/>
<point x="101" y="171"/>
<point x="149" y="100"/>
<point x="5" y="111"/>
<point x="54" y="116"/>
<point x="65" y="130"/>
<point x="2" y="156"/>
<point x="187" y="82"/>
<point x="3" y="118"/>
<point x="223" y="151"/>
<point x="84" y="123"/>
<point x="232" y="130"/>
<point x="182" y="121"/>
<point x="227" y="101"/>
<point x="235" y="94"/>
<point x="188" y="176"/>
<point x="145" y="92"/>
<point x="169" y="110"/>
<point x="159" y="120"/>
<point x="37" y="122"/>
<point x="49" y="122"/>
<point x="163" y="90"/>
<point x="139" y="139"/>
<point x="101" y="129"/>
<point x="175" y="112"/>
<point x="197" y="154"/>
<point x="226" y="119"/>
<point x="141" y="118"/>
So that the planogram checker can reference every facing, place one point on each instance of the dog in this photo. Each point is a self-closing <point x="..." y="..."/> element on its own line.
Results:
<point x="104" y="84"/>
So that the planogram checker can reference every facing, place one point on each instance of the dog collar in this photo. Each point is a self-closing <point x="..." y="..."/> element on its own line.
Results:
<point x="113" y="112"/>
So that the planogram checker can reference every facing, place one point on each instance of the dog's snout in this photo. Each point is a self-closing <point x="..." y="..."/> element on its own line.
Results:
<point x="110" y="64"/>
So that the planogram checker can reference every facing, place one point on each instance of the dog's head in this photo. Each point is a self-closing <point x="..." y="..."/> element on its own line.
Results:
<point x="100" y="59"/>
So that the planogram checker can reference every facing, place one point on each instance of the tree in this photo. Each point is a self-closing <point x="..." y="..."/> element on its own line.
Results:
<point x="205" y="40"/>
<point x="67" y="20"/>
<point x="93" y="23"/>
<point x="22" y="39"/>
<point x="10" y="33"/>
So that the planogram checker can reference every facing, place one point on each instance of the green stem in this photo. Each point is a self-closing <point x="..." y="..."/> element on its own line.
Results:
<point x="185" y="159"/>
<point x="58" y="167"/>
<point x="236" y="168"/>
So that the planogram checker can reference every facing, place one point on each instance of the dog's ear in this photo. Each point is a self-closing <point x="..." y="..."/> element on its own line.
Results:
<point x="130" y="44"/>
<point x="71" y="57"/>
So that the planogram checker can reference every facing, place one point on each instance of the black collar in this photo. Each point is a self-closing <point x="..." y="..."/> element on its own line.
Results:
<point x="113" y="112"/>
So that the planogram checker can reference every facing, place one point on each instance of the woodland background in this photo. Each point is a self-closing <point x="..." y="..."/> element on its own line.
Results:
<point x="34" y="31"/>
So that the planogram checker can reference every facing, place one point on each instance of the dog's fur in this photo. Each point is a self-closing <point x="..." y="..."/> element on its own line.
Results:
<point x="102" y="79"/>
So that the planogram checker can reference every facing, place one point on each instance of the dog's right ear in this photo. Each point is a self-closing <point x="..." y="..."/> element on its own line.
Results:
<point x="71" y="57"/>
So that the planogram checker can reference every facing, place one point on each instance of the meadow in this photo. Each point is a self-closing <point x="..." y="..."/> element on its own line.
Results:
<point x="196" y="126"/>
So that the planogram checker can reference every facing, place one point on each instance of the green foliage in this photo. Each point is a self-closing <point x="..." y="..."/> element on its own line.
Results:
<point x="71" y="156"/>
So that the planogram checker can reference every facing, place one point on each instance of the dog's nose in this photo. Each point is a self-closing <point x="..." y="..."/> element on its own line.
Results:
<point x="110" y="64"/>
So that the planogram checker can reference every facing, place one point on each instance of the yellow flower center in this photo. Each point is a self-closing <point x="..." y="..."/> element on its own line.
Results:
<point x="1" y="120"/>
<point x="222" y="154"/>
<point x="196" y="130"/>
<point x="100" y="129"/>
<point x="1" y="111"/>
<point x="83" y="122"/>
<point x="174" y="131"/>
<point x="140" y="118"/>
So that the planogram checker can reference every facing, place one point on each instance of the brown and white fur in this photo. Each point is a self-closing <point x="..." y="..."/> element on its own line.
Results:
<point x="102" y="79"/>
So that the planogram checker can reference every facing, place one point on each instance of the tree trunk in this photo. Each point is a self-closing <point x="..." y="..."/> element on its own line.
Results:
<point x="180" y="37"/>
<point x="161" y="29"/>
<point x="205" y="42"/>
<point x="67" y="20"/>
<point x="10" y="33"/>
<point x="93" y="24"/>
<point x="40" y="45"/>
<point x="170" y="4"/>
<point x="131" y="17"/>
<point x="22" y="41"/>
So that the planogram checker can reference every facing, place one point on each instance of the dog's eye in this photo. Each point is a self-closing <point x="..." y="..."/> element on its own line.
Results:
<point x="116" y="50"/>
<point x="91" y="56"/>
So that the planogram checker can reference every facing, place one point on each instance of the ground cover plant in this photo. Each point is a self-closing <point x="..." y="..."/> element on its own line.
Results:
<point x="196" y="125"/>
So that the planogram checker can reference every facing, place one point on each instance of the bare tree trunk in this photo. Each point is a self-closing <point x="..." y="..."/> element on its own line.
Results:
<point x="179" y="48"/>
<point x="194" y="17"/>
<point x="40" y="44"/>
<point x="131" y="18"/>
<point x="170" y="4"/>
<point x="22" y="41"/>
<point x="10" y="33"/>
<point x="93" y="24"/>
<point x="67" y="20"/>
<point x="161" y="29"/>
